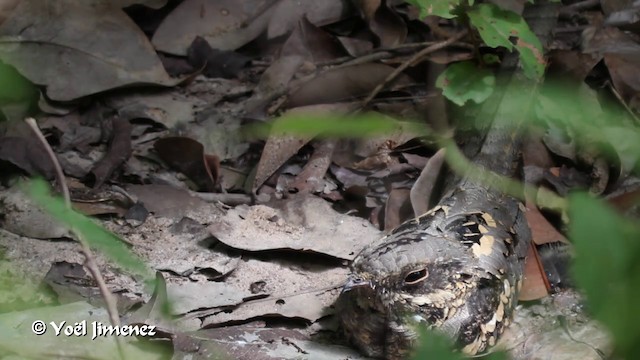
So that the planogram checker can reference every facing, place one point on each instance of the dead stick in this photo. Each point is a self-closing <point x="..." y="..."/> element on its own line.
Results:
<point x="411" y="61"/>
<point x="86" y="250"/>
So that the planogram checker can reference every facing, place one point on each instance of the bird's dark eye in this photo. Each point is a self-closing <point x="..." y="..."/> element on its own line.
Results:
<point x="416" y="276"/>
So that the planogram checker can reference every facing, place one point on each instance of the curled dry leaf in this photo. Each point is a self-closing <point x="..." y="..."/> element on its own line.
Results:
<point x="310" y="179"/>
<point x="312" y="43"/>
<point x="56" y="44"/>
<point x="383" y="21"/>
<point x="187" y="156"/>
<point x="424" y="186"/>
<point x="118" y="153"/>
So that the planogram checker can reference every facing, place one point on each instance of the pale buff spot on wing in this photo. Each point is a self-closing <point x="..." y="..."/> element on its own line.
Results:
<point x="485" y="247"/>
<point x="483" y="229"/>
<point x="522" y="207"/>
<point x="428" y="213"/>
<point x="504" y="299"/>
<point x="473" y="347"/>
<point x="488" y="219"/>
<point x="500" y="312"/>
<point x="507" y="288"/>
<point x="490" y="326"/>
<point x="506" y="323"/>
<point x="492" y="340"/>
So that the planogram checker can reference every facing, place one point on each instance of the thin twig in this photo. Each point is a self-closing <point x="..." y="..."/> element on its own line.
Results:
<point x="59" y="175"/>
<point x="90" y="262"/>
<point x="417" y="57"/>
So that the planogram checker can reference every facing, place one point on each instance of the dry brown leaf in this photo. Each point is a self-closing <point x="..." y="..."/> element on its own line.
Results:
<point x="190" y="296"/>
<point x="187" y="156"/>
<point x="279" y="149"/>
<point x="424" y="186"/>
<point x="397" y="209"/>
<point x="165" y="200"/>
<point x="388" y="26"/>
<point x="76" y="49"/>
<point x="225" y="24"/>
<point x="287" y="13"/>
<point x="310" y="306"/>
<point x="542" y="231"/>
<point x="265" y="344"/>
<point x="304" y="223"/>
<point x="535" y="284"/>
<point x="344" y="84"/>
<point x="311" y="43"/>
<point x="311" y="177"/>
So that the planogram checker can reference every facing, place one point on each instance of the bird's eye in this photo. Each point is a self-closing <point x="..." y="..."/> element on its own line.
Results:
<point x="416" y="276"/>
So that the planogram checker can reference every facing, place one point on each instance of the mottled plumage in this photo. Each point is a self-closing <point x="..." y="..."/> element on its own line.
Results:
<point x="457" y="268"/>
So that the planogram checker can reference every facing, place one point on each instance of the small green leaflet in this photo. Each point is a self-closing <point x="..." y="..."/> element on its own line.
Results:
<point x="442" y="8"/>
<point x="496" y="26"/>
<point x="464" y="81"/>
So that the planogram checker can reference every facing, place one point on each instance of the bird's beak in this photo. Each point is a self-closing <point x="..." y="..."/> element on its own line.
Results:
<point x="354" y="282"/>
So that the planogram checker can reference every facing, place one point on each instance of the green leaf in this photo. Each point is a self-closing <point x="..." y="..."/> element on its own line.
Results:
<point x="463" y="81"/>
<point x="607" y="268"/>
<point x="497" y="26"/>
<point x="340" y="126"/>
<point x="432" y="345"/>
<point x="97" y="237"/>
<point x="442" y="8"/>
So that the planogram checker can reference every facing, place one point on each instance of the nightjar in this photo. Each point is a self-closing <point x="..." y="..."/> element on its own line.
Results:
<point x="457" y="268"/>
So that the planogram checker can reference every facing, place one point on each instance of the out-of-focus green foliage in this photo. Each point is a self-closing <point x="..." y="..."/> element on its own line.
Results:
<point x="464" y="81"/>
<point x="96" y="236"/>
<point x="496" y="28"/>
<point x="607" y="268"/>
<point x="433" y="345"/>
<point x="360" y="125"/>
<point x="14" y="88"/>
<point x="443" y="8"/>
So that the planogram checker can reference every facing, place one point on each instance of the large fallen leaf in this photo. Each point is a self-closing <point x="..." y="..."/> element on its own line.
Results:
<point x="310" y="306"/>
<point x="190" y="296"/>
<point x="166" y="108"/>
<point x="300" y="289"/>
<point x="288" y="12"/>
<point x="224" y="24"/>
<point x="305" y="223"/>
<point x="75" y="49"/>
<point x="247" y="342"/>
<point x="343" y="84"/>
